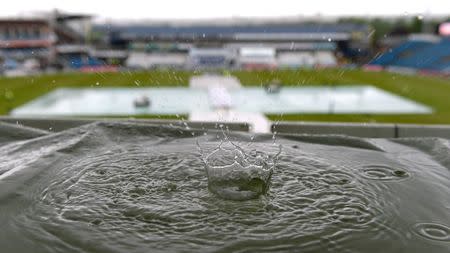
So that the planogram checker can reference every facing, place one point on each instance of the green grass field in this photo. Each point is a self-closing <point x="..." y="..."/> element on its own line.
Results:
<point x="431" y="91"/>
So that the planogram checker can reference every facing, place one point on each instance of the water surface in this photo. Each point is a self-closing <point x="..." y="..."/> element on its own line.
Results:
<point x="122" y="187"/>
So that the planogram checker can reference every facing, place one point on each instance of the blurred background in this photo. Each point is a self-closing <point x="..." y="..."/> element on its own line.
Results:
<point x="251" y="61"/>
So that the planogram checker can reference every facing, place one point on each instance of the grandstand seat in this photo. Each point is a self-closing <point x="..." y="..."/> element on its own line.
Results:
<point x="421" y="55"/>
<point x="75" y="62"/>
<point x="392" y="55"/>
<point x="92" y="61"/>
<point x="426" y="58"/>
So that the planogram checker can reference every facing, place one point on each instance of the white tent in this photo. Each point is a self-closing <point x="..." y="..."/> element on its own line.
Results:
<point x="325" y="58"/>
<point x="257" y="56"/>
<point x="152" y="60"/>
<point x="296" y="59"/>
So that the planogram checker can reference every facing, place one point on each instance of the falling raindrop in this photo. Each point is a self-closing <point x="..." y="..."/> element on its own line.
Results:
<point x="274" y="136"/>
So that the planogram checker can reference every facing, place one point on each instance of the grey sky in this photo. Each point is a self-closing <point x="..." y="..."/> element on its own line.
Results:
<point x="198" y="9"/>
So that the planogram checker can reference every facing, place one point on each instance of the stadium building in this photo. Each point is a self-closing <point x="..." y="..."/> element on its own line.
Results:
<point x="260" y="45"/>
<point x="25" y="40"/>
<point x="54" y="39"/>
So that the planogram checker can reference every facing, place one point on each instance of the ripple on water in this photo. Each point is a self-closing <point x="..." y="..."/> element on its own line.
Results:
<point x="433" y="231"/>
<point x="160" y="199"/>
<point x="384" y="173"/>
<point x="335" y="195"/>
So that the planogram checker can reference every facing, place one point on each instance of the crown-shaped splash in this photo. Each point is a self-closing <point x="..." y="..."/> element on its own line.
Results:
<point x="237" y="175"/>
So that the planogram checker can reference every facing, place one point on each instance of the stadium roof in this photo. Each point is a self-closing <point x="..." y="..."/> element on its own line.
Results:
<point x="302" y="31"/>
<point x="26" y="21"/>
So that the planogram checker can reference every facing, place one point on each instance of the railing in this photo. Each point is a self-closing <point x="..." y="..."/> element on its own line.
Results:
<point x="314" y="128"/>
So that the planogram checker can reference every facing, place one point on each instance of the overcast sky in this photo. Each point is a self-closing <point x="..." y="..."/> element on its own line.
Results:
<point x="198" y="9"/>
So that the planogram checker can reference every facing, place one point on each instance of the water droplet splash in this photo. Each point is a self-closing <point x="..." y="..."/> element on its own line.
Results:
<point x="237" y="175"/>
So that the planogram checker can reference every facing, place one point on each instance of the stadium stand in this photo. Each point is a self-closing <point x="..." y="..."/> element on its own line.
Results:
<point x="289" y="36"/>
<point x="392" y="55"/>
<point x="425" y="56"/>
